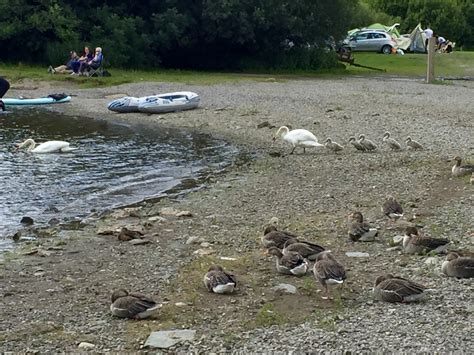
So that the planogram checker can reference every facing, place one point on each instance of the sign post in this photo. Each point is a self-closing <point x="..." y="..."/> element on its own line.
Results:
<point x="430" y="65"/>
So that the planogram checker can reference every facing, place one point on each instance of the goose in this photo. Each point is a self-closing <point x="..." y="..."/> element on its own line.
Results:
<point x="461" y="170"/>
<point x="275" y="238"/>
<point x="392" y="208"/>
<point x="392" y="289"/>
<point x="297" y="137"/>
<point x="328" y="271"/>
<point x="219" y="281"/>
<point x="359" y="230"/>
<point x="46" y="147"/>
<point x="306" y="249"/>
<point x="356" y="144"/>
<point x="132" y="305"/>
<point x="367" y="143"/>
<point x="413" y="145"/>
<point x="458" y="266"/>
<point x="290" y="264"/>
<point x="414" y="243"/>
<point x="334" y="146"/>
<point x="392" y="143"/>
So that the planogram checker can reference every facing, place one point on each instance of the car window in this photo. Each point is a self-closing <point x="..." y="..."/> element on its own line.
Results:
<point x="378" y="35"/>
<point x="361" y="36"/>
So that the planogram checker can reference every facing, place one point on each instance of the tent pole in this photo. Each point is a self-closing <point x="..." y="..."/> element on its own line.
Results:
<point x="430" y="64"/>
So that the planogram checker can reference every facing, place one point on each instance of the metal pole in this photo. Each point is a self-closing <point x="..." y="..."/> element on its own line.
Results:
<point x="430" y="65"/>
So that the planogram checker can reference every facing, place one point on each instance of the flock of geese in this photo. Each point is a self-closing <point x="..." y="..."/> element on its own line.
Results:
<point x="294" y="256"/>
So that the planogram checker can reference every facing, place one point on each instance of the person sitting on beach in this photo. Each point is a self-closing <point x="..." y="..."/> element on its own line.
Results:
<point x="86" y="57"/>
<point x="94" y="63"/>
<point x="68" y="67"/>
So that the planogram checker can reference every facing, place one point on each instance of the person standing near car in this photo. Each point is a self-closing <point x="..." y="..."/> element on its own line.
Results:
<point x="428" y="33"/>
<point x="4" y="86"/>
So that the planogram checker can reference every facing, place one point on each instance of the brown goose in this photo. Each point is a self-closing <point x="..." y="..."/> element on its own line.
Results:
<point x="414" y="145"/>
<point x="290" y="264"/>
<point x="306" y="249"/>
<point x="392" y="208"/>
<point x="458" y="266"/>
<point x="328" y="271"/>
<point x="391" y="288"/>
<point x="333" y="146"/>
<point x="461" y="170"/>
<point x="356" y="144"/>
<point x="367" y="143"/>
<point x="219" y="281"/>
<point x="414" y="243"/>
<point x="359" y="230"/>
<point x="392" y="143"/>
<point x="132" y="305"/>
<point x="274" y="238"/>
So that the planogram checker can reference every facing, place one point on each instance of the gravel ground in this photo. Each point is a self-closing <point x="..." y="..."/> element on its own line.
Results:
<point x="55" y="301"/>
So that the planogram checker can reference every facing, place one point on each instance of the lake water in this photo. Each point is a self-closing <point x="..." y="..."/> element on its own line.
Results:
<point x="114" y="165"/>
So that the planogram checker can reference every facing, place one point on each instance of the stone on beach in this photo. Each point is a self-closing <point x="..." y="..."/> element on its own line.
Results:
<point x="167" y="338"/>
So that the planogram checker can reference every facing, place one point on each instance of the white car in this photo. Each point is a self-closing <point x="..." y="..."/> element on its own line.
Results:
<point x="371" y="41"/>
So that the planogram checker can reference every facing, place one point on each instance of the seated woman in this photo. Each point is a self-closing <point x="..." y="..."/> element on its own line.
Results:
<point x="67" y="68"/>
<point x="94" y="63"/>
<point x="86" y="57"/>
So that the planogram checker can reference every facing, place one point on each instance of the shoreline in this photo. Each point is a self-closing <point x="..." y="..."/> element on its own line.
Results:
<point x="309" y="194"/>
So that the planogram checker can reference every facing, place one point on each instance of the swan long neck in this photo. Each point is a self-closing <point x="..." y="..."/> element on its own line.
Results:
<point x="282" y="131"/>
<point x="30" y="143"/>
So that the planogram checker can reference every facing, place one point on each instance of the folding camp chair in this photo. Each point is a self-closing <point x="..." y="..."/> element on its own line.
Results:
<point x="99" y="71"/>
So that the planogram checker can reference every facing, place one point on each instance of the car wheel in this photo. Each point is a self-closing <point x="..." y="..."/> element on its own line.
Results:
<point x="387" y="49"/>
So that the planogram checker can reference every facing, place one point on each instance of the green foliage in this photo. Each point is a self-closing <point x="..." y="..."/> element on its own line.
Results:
<point x="452" y="19"/>
<point x="27" y="29"/>
<point x="124" y="40"/>
<point x="176" y="33"/>
<point x="209" y="34"/>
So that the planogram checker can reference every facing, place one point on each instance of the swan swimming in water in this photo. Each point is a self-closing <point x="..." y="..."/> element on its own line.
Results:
<point x="46" y="147"/>
<point x="297" y="137"/>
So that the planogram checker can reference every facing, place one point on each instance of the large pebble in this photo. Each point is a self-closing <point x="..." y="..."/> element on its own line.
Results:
<point x="86" y="345"/>
<point x="167" y="338"/>
<point x="285" y="288"/>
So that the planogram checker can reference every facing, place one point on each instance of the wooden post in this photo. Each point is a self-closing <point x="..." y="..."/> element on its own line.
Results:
<point x="430" y="65"/>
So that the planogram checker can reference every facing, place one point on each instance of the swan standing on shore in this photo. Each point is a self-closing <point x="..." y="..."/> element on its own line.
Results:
<point x="46" y="147"/>
<point x="297" y="137"/>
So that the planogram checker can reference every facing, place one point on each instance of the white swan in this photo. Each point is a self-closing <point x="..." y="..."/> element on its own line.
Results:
<point x="46" y="147"/>
<point x="297" y="137"/>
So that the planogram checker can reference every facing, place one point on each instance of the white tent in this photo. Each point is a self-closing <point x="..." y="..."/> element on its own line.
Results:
<point x="413" y="42"/>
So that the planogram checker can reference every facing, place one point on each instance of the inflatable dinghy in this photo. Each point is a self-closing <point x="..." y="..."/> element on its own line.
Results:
<point x="170" y="102"/>
<point x="51" y="99"/>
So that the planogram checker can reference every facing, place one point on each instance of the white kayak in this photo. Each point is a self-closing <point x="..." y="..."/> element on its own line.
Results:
<point x="37" y="101"/>
<point x="169" y="102"/>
